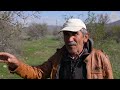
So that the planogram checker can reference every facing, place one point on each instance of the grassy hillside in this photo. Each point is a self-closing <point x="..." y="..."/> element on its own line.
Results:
<point x="38" y="51"/>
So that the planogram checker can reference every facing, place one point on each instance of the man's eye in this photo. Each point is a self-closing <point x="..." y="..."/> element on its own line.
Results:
<point x="74" y="33"/>
<point x="66" y="34"/>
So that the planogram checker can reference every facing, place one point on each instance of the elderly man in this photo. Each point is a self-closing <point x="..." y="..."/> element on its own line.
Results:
<point x="77" y="59"/>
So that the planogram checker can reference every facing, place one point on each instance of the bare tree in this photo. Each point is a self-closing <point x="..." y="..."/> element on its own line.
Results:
<point x="96" y="25"/>
<point x="36" y="31"/>
<point x="103" y="19"/>
<point x="66" y="17"/>
<point x="10" y="29"/>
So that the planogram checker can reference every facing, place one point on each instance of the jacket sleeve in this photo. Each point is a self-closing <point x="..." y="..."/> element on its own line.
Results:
<point x="107" y="67"/>
<point x="34" y="72"/>
<point x="27" y="71"/>
<point x="41" y="71"/>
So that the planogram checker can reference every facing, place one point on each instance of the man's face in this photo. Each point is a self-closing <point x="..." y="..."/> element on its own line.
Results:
<point x="74" y="41"/>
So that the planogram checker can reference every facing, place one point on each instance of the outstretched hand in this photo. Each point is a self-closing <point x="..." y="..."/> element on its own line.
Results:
<point x="6" y="57"/>
<point x="9" y="59"/>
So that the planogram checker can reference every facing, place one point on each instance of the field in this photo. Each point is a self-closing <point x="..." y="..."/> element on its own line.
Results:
<point x="37" y="51"/>
<point x="34" y="53"/>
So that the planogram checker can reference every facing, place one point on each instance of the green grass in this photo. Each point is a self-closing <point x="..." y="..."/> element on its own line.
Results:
<point x="5" y="74"/>
<point x="38" y="51"/>
<point x="34" y="53"/>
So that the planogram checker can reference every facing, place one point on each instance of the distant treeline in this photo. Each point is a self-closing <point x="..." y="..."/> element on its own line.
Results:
<point x="13" y="33"/>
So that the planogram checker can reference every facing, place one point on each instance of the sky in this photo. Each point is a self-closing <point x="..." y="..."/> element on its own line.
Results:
<point x="57" y="17"/>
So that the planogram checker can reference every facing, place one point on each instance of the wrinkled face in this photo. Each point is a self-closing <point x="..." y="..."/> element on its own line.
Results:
<point x="74" y="41"/>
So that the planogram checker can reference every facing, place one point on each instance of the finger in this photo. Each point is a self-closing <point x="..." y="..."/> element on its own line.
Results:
<point x="6" y="54"/>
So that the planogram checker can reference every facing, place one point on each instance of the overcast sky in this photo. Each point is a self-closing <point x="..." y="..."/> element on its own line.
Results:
<point x="57" y="17"/>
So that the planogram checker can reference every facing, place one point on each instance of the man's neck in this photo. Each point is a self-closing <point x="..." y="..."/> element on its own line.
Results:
<point x="76" y="55"/>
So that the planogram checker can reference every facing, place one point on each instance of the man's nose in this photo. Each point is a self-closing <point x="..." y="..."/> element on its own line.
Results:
<point x="71" y="38"/>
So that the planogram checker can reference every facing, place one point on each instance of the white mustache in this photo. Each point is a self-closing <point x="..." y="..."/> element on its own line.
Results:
<point x="72" y="43"/>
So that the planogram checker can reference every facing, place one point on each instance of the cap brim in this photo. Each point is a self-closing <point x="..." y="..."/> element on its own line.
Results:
<point x="72" y="29"/>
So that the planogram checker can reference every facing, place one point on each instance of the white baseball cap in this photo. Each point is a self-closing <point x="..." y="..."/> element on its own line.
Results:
<point x="73" y="25"/>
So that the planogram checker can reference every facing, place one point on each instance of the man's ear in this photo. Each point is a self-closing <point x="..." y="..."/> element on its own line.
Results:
<point x="86" y="37"/>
